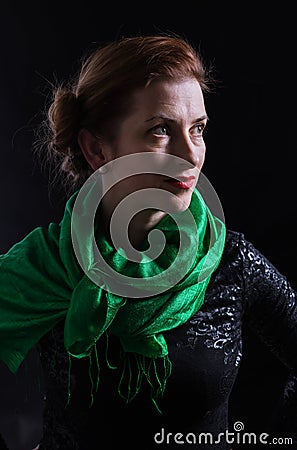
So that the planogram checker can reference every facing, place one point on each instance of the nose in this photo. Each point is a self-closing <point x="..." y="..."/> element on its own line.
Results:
<point x="191" y="152"/>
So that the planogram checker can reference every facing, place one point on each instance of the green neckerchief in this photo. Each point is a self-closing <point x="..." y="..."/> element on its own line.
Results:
<point x="42" y="284"/>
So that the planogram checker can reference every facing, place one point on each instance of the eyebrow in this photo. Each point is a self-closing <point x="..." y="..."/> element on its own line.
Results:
<point x="161" y="116"/>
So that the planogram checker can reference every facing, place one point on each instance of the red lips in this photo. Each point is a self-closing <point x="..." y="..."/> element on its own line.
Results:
<point x="181" y="182"/>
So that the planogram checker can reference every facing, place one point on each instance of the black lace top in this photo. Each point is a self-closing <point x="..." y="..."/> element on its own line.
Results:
<point x="206" y="354"/>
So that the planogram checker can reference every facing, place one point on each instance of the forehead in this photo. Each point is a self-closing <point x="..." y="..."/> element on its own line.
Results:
<point x="177" y="98"/>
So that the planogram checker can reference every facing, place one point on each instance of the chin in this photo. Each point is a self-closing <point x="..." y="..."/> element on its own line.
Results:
<point x="180" y="203"/>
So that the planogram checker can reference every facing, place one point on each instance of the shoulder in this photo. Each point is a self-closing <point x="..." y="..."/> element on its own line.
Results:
<point x="240" y="258"/>
<point x="234" y="244"/>
<point x="234" y="238"/>
<point x="256" y="270"/>
<point x="238" y="246"/>
<point x="229" y="270"/>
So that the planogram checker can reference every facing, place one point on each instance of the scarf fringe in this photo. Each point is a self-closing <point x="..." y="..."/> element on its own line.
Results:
<point x="94" y="386"/>
<point x="106" y="353"/>
<point x="147" y="368"/>
<point x="136" y="367"/>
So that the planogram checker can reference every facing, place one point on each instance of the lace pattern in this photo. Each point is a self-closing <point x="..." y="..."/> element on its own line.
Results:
<point x="206" y="353"/>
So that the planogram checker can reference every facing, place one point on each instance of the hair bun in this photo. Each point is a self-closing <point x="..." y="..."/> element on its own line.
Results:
<point x="63" y="117"/>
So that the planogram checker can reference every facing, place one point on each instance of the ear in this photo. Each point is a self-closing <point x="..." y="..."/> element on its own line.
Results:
<point x="91" y="148"/>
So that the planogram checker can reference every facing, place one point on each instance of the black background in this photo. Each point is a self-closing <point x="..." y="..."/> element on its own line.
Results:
<point x="251" y="147"/>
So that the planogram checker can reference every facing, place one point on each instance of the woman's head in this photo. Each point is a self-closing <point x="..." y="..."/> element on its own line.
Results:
<point x="101" y="94"/>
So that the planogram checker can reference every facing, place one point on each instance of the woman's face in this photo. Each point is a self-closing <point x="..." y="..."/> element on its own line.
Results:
<point x="167" y="117"/>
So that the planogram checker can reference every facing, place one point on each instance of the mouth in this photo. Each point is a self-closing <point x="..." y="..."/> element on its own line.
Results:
<point x="181" y="182"/>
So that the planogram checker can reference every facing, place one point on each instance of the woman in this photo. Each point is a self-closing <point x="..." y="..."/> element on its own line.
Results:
<point x="140" y="344"/>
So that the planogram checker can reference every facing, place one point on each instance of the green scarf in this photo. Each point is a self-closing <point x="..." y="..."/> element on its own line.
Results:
<point x="42" y="284"/>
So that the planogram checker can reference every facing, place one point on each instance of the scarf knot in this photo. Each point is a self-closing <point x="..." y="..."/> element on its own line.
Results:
<point x="43" y="282"/>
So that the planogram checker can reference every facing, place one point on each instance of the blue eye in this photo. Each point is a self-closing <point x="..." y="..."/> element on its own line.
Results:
<point x="199" y="127"/>
<point x="160" y="130"/>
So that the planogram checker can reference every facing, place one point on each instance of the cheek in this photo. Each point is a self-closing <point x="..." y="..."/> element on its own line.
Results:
<point x="201" y="155"/>
<point x="127" y="145"/>
<point x="145" y="181"/>
<point x="137" y="182"/>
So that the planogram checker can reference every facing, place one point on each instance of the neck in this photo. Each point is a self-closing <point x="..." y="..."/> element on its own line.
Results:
<point x="141" y="224"/>
<point x="138" y="227"/>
